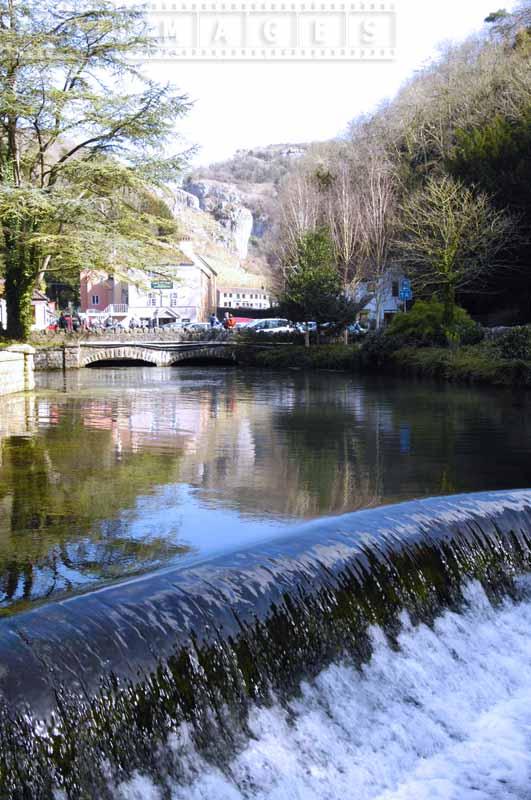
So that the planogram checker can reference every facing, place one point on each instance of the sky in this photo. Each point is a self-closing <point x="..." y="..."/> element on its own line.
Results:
<point x="246" y="104"/>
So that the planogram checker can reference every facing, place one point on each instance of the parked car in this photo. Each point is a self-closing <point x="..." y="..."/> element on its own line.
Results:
<point x="116" y="325"/>
<point x="307" y="326"/>
<point x="196" y="327"/>
<point x="173" y="326"/>
<point x="271" y="327"/>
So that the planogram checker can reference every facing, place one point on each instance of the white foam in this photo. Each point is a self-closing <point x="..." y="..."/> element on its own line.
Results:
<point x="447" y="717"/>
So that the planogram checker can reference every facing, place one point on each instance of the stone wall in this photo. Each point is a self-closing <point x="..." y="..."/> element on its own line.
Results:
<point x="66" y="357"/>
<point x="77" y="356"/>
<point x="16" y="369"/>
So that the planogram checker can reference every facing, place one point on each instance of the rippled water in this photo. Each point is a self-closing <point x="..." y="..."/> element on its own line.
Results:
<point x="113" y="472"/>
<point x="446" y="717"/>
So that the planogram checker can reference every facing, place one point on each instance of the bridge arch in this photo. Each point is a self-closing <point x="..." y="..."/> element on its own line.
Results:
<point x="141" y="355"/>
<point x="203" y="355"/>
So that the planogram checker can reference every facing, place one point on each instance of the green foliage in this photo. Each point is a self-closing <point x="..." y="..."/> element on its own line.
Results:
<point x="331" y="357"/>
<point x="495" y="157"/>
<point x="383" y="353"/>
<point x="515" y="344"/>
<point x="81" y="138"/>
<point x="495" y="16"/>
<point x="378" y="346"/>
<point x="425" y="326"/>
<point x="313" y="289"/>
<point x="449" y="238"/>
<point x="467" y="364"/>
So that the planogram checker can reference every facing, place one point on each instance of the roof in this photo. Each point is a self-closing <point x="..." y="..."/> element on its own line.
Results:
<point x="37" y="295"/>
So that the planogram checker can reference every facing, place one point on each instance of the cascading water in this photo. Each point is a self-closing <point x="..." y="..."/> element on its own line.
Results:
<point x="380" y="654"/>
<point x="447" y="716"/>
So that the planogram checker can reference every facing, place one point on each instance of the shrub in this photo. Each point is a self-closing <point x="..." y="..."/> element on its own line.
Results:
<point x="328" y="357"/>
<point x="515" y="344"/>
<point x="424" y="326"/>
<point x="378" y="346"/>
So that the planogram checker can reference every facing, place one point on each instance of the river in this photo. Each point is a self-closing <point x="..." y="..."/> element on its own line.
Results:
<point x="229" y="653"/>
<point x="107" y="473"/>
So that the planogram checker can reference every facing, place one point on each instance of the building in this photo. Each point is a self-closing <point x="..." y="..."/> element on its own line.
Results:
<point x="384" y="303"/>
<point x="43" y="310"/>
<point x="185" y="291"/>
<point x="243" y="297"/>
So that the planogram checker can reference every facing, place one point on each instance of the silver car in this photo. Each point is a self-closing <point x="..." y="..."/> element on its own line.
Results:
<point x="271" y="327"/>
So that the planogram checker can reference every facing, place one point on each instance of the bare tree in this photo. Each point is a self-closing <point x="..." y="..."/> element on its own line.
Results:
<point x="450" y="239"/>
<point x="378" y="221"/>
<point x="343" y="214"/>
<point x="299" y="213"/>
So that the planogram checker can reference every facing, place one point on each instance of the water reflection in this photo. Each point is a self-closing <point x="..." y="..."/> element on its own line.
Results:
<point x="119" y="471"/>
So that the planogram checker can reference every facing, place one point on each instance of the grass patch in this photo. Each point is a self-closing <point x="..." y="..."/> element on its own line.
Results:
<point x="325" y="357"/>
<point x="474" y="364"/>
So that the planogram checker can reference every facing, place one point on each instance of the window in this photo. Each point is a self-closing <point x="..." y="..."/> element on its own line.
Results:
<point x="173" y="299"/>
<point x="395" y="289"/>
<point x="152" y="299"/>
<point x="95" y="299"/>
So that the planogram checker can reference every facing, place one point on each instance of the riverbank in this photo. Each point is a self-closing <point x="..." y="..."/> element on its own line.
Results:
<point x="479" y="364"/>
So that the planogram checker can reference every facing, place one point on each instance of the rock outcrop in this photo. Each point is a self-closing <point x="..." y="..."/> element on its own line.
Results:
<point x="178" y="197"/>
<point x="224" y="203"/>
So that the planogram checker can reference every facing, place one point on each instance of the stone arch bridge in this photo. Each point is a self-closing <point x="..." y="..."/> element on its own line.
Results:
<point x="160" y="354"/>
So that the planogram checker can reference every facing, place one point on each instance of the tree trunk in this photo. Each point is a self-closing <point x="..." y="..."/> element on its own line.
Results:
<point x="449" y="305"/>
<point x="18" y="305"/>
<point x="21" y="270"/>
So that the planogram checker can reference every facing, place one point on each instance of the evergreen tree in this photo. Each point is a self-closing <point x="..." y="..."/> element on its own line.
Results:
<point x="313" y="289"/>
<point x="81" y="133"/>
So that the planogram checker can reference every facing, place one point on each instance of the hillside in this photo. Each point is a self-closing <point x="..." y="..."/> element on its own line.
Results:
<point x="216" y="242"/>
<point x="250" y="179"/>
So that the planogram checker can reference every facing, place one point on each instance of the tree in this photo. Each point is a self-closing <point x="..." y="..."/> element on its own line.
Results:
<point x="378" y="215"/>
<point x="299" y="214"/>
<point x="343" y="213"/>
<point x="313" y="289"/>
<point x="449" y="239"/>
<point x="81" y="132"/>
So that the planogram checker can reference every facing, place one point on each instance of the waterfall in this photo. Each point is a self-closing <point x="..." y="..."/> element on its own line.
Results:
<point x="100" y="689"/>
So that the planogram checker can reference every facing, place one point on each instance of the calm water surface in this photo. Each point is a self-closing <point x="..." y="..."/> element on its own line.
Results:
<point x="112" y="472"/>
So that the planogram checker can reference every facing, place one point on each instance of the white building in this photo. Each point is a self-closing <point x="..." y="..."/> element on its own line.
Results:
<point x="43" y="310"/>
<point x="243" y="297"/>
<point x="385" y="299"/>
<point x="185" y="291"/>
